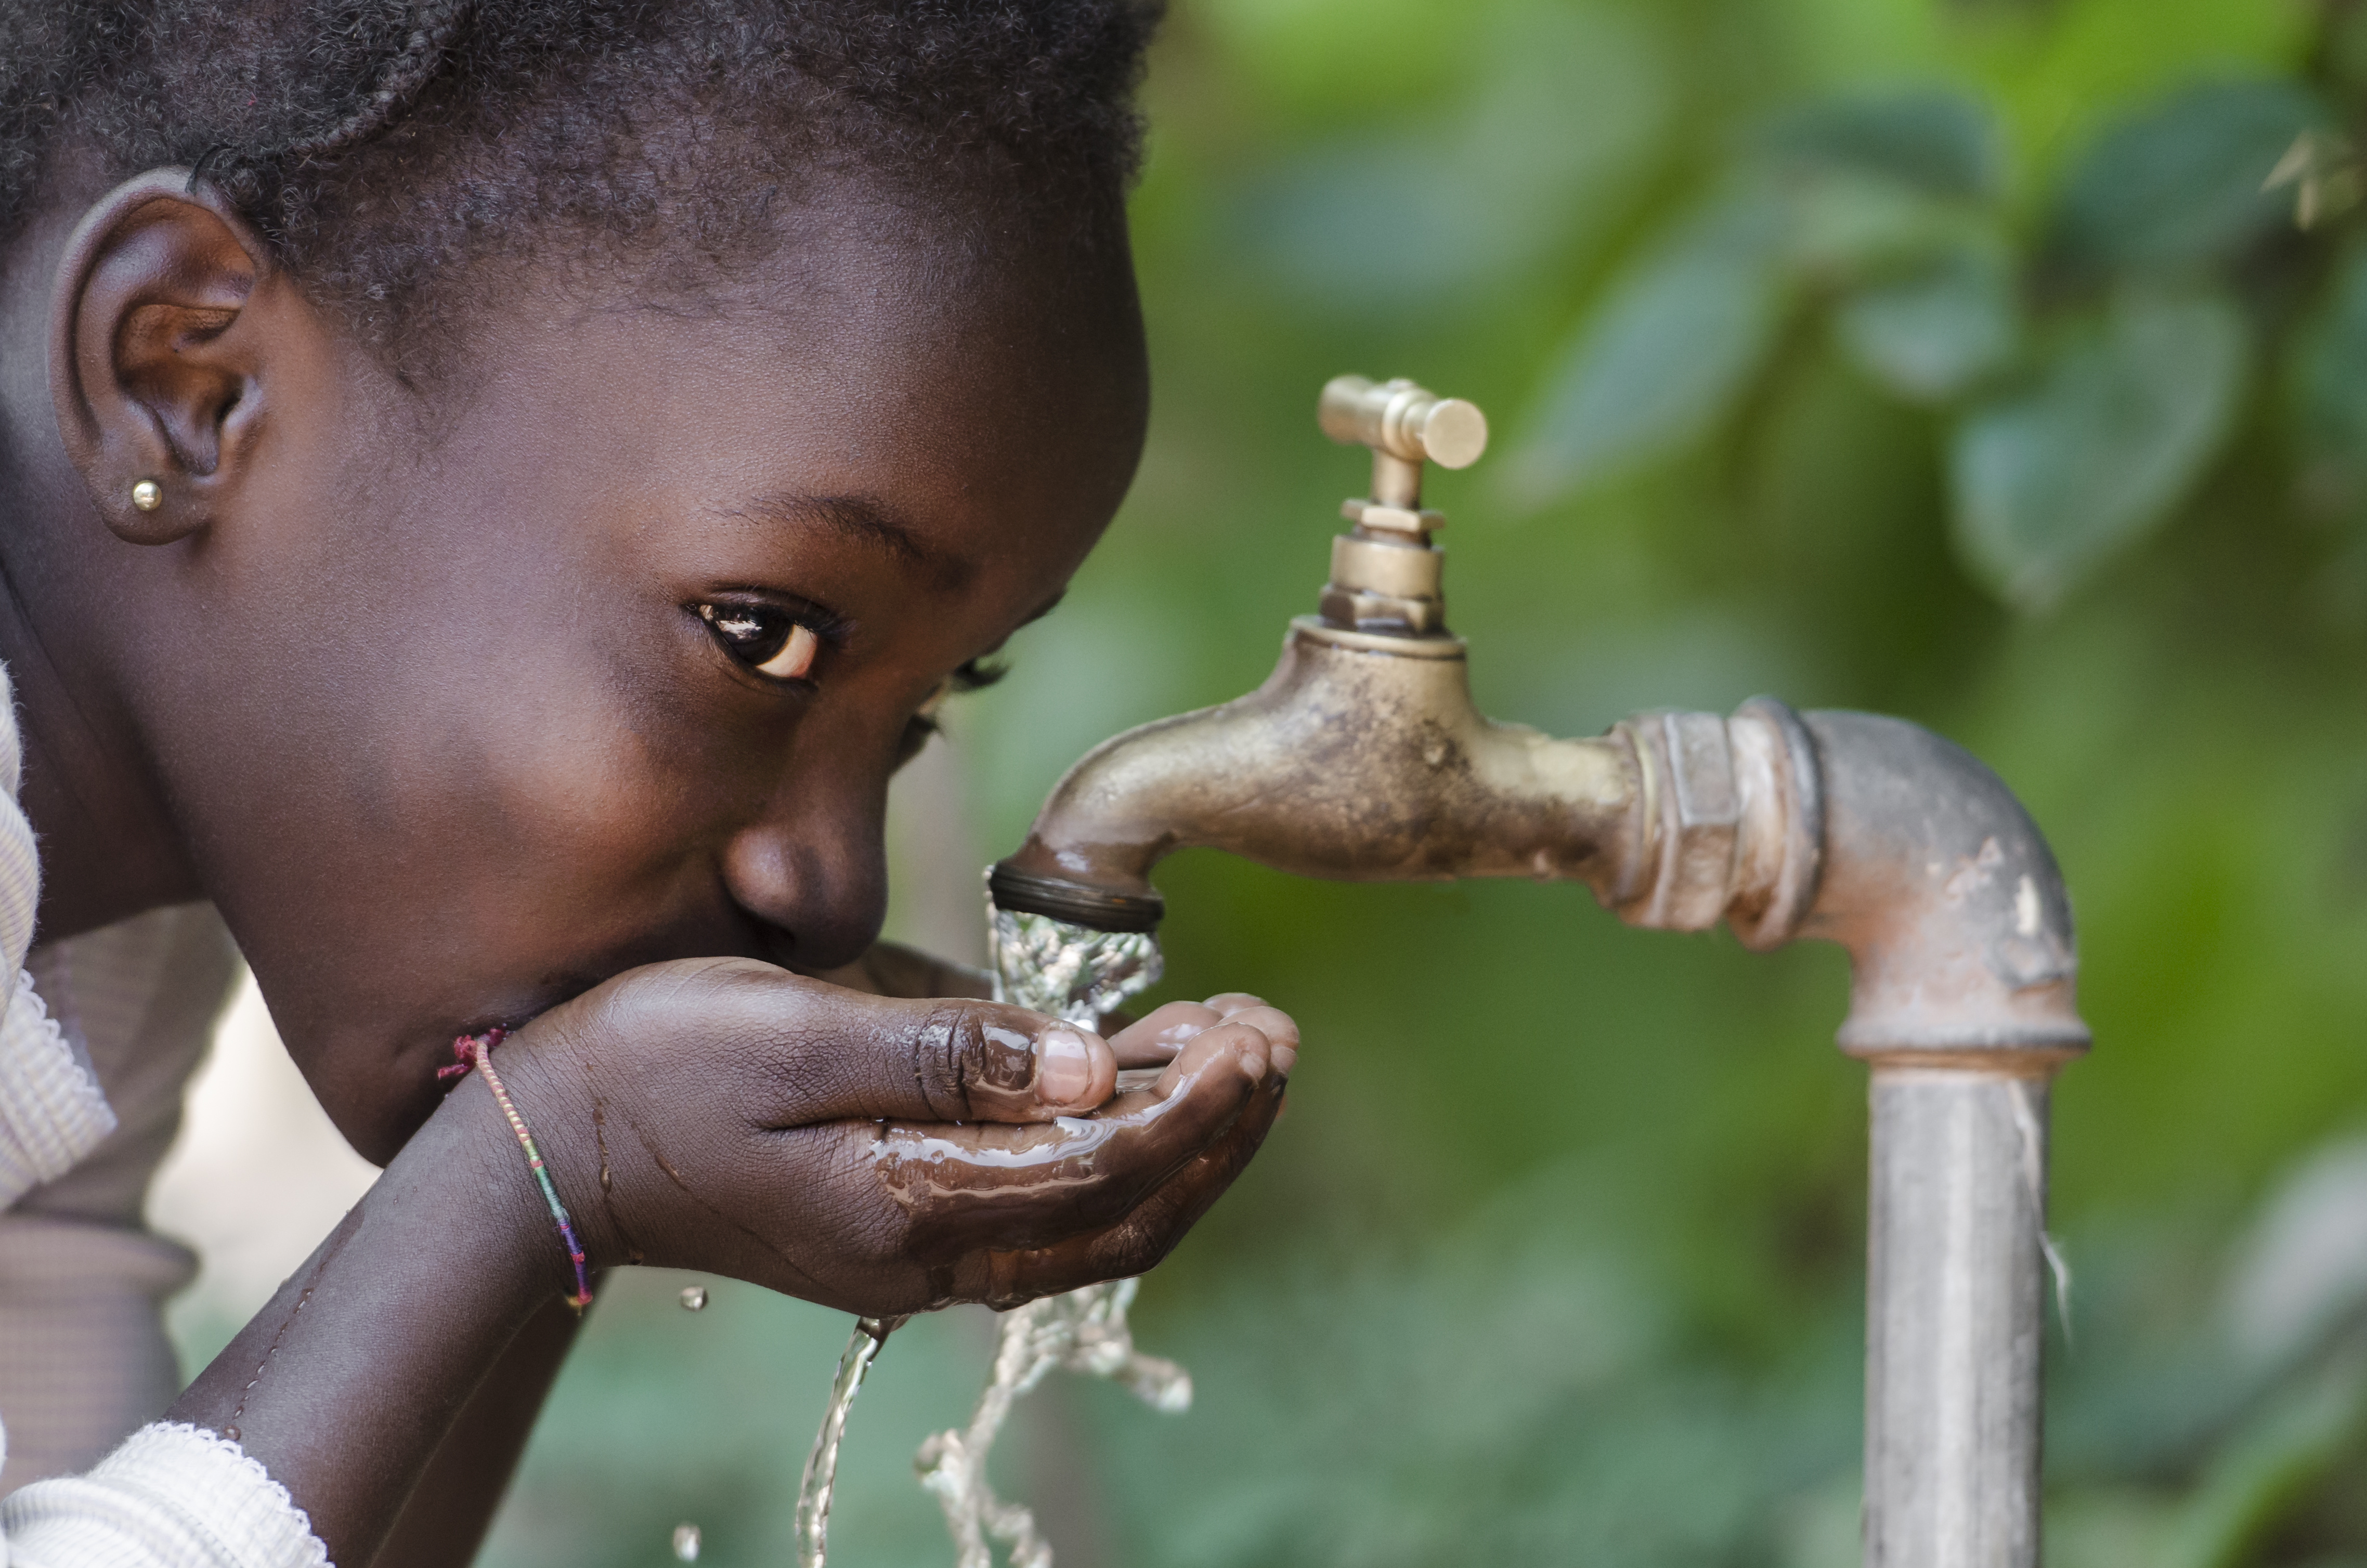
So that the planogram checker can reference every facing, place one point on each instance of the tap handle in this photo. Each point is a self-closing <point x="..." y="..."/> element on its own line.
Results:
<point x="1406" y="422"/>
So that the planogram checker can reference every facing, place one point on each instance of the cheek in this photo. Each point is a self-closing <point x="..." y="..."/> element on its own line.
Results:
<point x="581" y="762"/>
<point x="490" y="796"/>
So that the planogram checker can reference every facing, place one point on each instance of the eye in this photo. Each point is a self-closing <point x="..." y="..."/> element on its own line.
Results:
<point x="769" y="641"/>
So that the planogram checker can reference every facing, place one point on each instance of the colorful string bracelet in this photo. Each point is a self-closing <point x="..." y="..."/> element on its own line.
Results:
<point x="477" y="1051"/>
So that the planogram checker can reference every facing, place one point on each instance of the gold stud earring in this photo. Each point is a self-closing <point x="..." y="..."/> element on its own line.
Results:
<point x="147" y="495"/>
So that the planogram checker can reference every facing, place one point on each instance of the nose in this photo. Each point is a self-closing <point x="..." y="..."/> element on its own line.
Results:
<point x="812" y="868"/>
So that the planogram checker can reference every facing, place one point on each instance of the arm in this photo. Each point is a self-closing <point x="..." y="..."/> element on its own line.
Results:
<point x="446" y="1520"/>
<point x="443" y="1523"/>
<point x="338" y="1391"/>
<point x="346" y="1384"/>
<point x="877" y="1156"/>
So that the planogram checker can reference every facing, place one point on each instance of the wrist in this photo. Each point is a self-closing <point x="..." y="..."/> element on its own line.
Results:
<point x="545" y="1084"/>
<point x="469" y="1159"/>
<point x="477" y="1057"/>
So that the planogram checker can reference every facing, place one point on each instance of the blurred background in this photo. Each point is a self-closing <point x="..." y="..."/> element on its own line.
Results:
<point x="2002" y="364"/>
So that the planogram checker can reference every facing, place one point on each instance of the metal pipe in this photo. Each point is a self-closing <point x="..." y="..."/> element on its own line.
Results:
<point x="1362" y="759"/>
<point x="1955" y="1319"/>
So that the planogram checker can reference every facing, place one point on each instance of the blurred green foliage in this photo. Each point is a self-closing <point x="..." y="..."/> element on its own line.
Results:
<point x="1940" y="356"/>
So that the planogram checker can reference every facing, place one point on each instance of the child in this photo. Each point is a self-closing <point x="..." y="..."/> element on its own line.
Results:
<point x="492" y="489"/>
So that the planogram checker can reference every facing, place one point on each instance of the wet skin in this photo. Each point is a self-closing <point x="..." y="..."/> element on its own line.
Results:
<point x="567" y="700"/>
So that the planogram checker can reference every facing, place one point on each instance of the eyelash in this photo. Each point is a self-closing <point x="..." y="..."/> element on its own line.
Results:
<point x="760" y="635"/>
<point x="755" y="653"/>
<point x="974" y="676"/>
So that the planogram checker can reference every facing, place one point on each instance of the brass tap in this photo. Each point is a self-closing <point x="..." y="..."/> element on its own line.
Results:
<point x="1405" y="425"/>
<point x="1363" y="757"/>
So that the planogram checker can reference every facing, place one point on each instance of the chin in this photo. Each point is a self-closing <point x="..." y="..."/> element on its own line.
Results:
<point x="379" y="1090"/>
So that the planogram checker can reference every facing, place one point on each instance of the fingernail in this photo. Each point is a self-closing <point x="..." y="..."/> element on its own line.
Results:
<point x="1285" y="1059"/>
<point x="1253" y="1066"/>
<point x="1064" y="1066"/>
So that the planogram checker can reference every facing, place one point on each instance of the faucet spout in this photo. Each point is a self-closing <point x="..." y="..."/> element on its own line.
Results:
<point x="1362" y="759"/>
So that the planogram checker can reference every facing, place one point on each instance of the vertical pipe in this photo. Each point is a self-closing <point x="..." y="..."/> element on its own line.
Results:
<point x="1955" y="1316"/>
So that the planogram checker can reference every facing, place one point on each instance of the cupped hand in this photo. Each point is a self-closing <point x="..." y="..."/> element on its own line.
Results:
<point x="881" y="1156"/>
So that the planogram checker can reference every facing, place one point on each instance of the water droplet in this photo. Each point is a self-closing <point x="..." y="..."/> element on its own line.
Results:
<point x="232" y="1433"/>
<point x="685" y="1537"/>
<point x="694" y="1299"/>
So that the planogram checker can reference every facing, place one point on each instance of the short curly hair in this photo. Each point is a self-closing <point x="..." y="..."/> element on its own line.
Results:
<point x="385" y="148"/>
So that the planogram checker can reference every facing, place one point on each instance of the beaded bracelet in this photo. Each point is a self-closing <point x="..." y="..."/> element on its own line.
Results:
<point x="477" y="1052"/>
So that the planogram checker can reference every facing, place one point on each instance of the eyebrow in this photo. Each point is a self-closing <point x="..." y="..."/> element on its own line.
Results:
<point x="864" y="522"/>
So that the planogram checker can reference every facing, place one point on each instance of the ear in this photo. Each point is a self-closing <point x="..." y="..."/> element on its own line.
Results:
<point x="162" y="330"/>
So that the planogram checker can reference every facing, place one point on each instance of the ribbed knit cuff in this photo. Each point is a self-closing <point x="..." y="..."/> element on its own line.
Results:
<point x="51" y="1110"/>
<point x="172" y="1497"/>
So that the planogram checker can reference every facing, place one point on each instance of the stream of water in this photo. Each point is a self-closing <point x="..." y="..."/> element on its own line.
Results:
<point x="821" y="1465"/>
<point x="1076" y="973"/>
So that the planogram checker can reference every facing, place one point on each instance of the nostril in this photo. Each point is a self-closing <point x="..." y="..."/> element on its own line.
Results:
<point x="779" y="944"/>
<point x="829" y="942"/>
<point x="810" y="904"/>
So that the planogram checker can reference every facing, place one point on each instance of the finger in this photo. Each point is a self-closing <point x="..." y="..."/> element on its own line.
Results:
<point x="1227" y="1003"/>
<point x="819" y="1053"/>
<point x="1243" y="1037"/>
<point x="972" y="1188"/>
<point x="968" y="1061"/>
<point x="1143" y="1237"/>
<point x="1153" y="1042"/>
<point x="1280" y="1030"/>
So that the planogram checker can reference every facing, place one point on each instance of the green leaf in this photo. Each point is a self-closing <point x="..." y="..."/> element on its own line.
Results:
<point x="2051" y="480"/>
<point x="2267" y="1472"/>
<point x="1845" y="228"/>
<point x="1877" y="185"/>
<point x="1933" y="335"/>
<point x="1938" y="143"/>
<point x="2180" y="188"/>
<point x="2326" y="390"/>
<point x="1666" y="354"/>
<point x="1559" y="126"/>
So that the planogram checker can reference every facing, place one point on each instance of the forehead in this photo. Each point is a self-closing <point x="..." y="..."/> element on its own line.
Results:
<point x="849" y="362"/>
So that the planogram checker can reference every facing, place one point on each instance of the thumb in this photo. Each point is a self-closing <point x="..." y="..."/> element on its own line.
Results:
<point x="819" y="1053"/>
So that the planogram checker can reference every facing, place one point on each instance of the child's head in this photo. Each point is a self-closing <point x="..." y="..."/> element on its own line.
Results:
<point x="583" y="436"/>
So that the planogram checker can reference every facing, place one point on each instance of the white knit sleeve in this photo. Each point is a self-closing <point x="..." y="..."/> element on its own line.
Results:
<point x="51" y="1110"/>
<point x="172" y="1497"/>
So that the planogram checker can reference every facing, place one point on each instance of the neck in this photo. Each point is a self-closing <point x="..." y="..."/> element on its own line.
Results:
<point x="109" y="849"/>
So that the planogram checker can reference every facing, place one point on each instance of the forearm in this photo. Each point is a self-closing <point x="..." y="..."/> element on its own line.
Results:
<point x="345" y="1385"/>
<point x="445" y="1521"/>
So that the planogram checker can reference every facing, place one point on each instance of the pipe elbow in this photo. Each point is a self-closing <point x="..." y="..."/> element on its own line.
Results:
<point x="1880" y="836"/>
<point x="1945" y="895"/>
